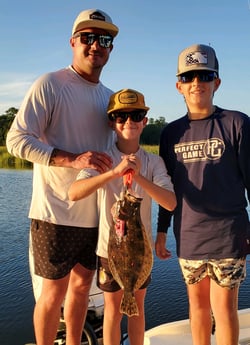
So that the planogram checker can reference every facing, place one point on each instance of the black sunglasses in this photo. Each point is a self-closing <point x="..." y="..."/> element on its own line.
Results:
<point x="89" y="38"/>
<point x="121" y="117"/>
<point x="203" y="76"/>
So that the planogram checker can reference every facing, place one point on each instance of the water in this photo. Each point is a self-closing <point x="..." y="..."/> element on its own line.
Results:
<point x="166" y="299"/>
<point x="16" y="299"/>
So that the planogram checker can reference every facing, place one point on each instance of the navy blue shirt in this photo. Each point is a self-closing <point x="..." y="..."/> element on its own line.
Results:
<point x="209" y="163"/>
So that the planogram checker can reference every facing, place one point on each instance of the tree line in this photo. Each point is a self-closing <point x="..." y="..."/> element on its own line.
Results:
<point x="150" y="135"/>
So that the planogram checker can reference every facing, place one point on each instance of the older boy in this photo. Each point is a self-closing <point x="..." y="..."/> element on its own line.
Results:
<point x="207" y="155"/>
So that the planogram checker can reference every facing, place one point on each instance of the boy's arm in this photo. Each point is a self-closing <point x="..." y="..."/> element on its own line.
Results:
<point x="84" y="187"/>
<point x="161" y="195"/>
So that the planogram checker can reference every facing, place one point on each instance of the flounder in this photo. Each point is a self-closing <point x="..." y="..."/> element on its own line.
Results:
<point x="130" y="253"/>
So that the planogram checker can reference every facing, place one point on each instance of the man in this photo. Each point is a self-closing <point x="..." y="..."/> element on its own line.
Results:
<point x="207" y="155"/>
<point x="61" y="127"/>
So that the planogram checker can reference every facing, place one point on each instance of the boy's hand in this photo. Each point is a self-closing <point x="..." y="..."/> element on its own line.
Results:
<point x="130" y="162"/>
<point x="136" y="163"/>
<point x="160" y="246"/>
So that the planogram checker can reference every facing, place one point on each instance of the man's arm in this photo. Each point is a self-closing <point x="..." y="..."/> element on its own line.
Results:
<point x="90" y="159"/>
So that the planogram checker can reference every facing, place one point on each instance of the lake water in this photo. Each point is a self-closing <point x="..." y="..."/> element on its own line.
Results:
<point x="166" y="298"/>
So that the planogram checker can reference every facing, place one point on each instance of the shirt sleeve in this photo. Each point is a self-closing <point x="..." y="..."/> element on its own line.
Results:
<point x="164" y="219"/>
<point x="244" y="153"/>
<point x="25" y="137"/>
<point x="160" y="174"/>
<point x="164" y="216"/>
<point x="87" y="173"/>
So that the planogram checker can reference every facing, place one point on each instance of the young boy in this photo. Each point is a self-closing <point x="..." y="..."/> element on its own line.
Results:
<point x="207" y="155"/>
<point x="127" y="116"/>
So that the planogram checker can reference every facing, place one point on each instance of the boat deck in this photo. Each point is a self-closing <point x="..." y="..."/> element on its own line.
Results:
<point x="178" y="332"/>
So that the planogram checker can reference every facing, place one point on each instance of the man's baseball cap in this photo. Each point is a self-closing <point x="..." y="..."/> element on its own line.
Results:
<point x="197" y="57"/>
<point x="94" y="18"/>
<point x="126" y="99"/>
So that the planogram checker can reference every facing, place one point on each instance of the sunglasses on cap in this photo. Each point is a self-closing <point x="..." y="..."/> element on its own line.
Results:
<point x="89" y="38"/>
<point x="203" y="76"/>
<point x="121" y="117"/>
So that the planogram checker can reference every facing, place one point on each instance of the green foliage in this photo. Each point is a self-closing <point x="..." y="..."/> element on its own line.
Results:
<point x="11" y="111"/>
<point x="7" y="161"/>
<point x="151" y="133"/>
<point x="5" y="123"/>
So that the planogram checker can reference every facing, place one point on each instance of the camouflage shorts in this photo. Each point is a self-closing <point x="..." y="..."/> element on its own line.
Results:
<point x="227" y="273"/>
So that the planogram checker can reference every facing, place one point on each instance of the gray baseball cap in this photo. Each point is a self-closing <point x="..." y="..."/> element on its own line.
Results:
<point x="197" y="57"/>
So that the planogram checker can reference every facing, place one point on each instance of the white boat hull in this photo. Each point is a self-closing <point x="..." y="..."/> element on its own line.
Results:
<point x="178" y="332"/>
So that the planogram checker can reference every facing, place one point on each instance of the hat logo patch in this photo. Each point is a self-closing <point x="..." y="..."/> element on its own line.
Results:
<point x="97" y="16"/>
<point x="196" y="58"/>
<point x="128" y="98"/>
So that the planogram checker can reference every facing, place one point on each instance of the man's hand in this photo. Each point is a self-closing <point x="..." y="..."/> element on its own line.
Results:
<point x="90" y="159"/>
<point x="94" y="160"/>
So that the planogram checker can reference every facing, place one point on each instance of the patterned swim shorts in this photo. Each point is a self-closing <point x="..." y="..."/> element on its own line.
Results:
<point x="105" y="280"/>
<point x="58" y="248"/>
<point x="228" y="273"/>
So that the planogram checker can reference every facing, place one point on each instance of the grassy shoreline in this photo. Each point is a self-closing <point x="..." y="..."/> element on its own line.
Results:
<point x="9" y="162"/>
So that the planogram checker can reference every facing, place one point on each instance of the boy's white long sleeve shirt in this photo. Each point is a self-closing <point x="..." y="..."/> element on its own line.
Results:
<point x="153" y="168"/>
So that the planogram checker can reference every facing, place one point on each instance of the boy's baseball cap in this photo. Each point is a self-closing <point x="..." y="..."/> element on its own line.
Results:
<point x="197" y="57"/>
<point x="94" y="18"/>
<point x="126" y="99"/>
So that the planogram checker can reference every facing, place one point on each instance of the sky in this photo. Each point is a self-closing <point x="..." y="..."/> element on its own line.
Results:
<point x="35" y="37"/>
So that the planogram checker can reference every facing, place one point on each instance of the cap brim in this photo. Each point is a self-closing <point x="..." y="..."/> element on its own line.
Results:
<point x="195" y="68"/>
<point x="127" y="108"/>
<point x="110" y="28"/>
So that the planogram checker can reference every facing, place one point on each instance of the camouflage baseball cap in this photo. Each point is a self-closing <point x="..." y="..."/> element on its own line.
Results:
<point x="126" y="99"/>
<point x="197" y="57"/>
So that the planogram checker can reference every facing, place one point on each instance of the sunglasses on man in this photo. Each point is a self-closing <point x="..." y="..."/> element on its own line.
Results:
<point x="121" y="117"/>
<point x="203" y="76"/>
<point x="89" y="38"/>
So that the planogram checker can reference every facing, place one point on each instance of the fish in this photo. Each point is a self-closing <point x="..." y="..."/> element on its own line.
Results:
<point x="130" y="254"/>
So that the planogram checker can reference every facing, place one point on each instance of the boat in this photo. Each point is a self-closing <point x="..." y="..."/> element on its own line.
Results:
<point x="179" y="332"/>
